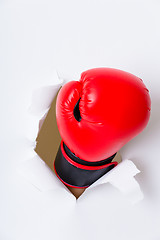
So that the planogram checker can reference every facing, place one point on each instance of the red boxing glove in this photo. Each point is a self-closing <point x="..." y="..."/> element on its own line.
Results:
<point x="96" y="116"/>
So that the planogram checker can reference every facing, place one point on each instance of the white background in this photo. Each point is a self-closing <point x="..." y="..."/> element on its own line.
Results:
<point x="72" y="36"/>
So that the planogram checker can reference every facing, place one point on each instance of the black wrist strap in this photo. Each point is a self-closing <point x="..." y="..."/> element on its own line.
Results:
<point x="78" y="173"/>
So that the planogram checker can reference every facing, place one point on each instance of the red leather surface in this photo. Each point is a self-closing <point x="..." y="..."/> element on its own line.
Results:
<point x="114" y="108"/>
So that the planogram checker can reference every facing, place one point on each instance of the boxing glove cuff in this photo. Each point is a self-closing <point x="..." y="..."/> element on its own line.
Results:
<point x="75" y="172"/>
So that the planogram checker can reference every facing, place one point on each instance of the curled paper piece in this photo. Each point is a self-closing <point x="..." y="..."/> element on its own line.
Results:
<point x="122" y="177"/>
<point x="40" y="98"/>
<point x="39" y="175"/>
<point x="36" y="171"/>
